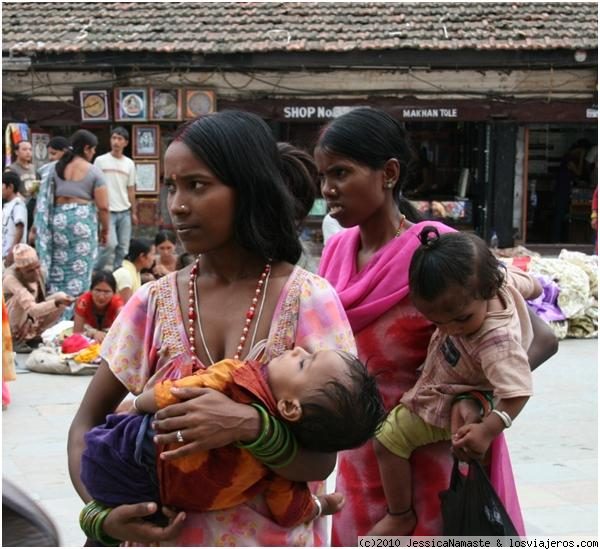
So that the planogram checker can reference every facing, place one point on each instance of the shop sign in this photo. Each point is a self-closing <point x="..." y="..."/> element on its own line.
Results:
<point x="430" y="113"/>
<point x="314" y="111"/>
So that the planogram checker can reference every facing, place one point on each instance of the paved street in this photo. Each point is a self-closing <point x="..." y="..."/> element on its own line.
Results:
<point x="554" y="445"/>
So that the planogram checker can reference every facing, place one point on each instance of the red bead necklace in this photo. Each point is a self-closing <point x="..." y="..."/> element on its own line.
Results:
<point x="194" y="312"/>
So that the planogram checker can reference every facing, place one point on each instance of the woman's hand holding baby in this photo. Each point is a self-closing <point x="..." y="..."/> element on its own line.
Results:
<point x="127" y="522"/>
<point x="205" y="419"/>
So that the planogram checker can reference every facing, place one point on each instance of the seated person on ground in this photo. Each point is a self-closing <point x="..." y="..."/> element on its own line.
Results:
<point x="165" y="262"/>
<point x="96" y="310"/>
<point x="30" y="311"/>
<point x="326" y="402"/>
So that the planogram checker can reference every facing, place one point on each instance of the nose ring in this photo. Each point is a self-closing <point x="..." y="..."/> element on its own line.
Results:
<point x="333" y="192"/>
<point x="182" y="206"/>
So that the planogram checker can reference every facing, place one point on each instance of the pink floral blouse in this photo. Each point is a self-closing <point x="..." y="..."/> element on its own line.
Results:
<point x="148" y="343"/>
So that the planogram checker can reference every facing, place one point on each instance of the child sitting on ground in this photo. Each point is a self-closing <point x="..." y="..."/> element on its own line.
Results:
<point x="327" y="399"/>
<point x="483" y="333"/>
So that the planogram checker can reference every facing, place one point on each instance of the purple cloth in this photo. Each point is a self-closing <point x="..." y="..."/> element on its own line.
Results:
<point x="545" y="305"/>
<point x="118" y="465"/>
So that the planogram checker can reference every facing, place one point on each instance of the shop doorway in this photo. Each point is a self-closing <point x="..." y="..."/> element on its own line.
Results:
<point x="448" y="182"/>
<point x="561" y="178"/>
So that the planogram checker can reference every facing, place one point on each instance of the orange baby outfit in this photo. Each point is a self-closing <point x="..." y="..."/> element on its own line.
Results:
<point x="228" y="476"/>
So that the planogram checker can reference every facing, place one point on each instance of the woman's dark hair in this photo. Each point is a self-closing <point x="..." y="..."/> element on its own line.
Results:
<point x="341" y="415"/>
<point x="59" y="143"/>
<point x="163" y="236"/>
<point x="137" y="247"/>
<point x="78" y="141"/>
<point x="239" y="149"/>
<point x="372" y="137"/>
<point x="453" y="259"/>
<point x="301" y="175"/>
<point x="104" y="276"/>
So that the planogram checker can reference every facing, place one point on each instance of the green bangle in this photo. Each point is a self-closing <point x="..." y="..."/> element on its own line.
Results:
<point x="276" y="451"/>
<point x="91" y="520"/>
<point x="266" y="425"/>
<point x="482" y="398"/>
<point x="275" y="443"/>
<point x="271" y="445"/>
<point x="292" y="456"/>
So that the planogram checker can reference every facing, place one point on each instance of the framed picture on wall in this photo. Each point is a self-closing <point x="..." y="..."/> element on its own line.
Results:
<point x="147" y="176"/>
<point x="146" y="141"/>
<point x="165" y="104"/>
<point x="198" y="102"/>
<point x="94" y="105"/>
<point x="131" y="104"/>
<point x="39" y="147"/>
<point x="148" y="211"/>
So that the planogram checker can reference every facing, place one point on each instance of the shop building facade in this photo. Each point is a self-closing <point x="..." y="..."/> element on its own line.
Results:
<point x="493" y="95"/>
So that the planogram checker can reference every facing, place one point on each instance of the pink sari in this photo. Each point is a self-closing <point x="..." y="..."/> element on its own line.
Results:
<point x="392" y="338"/>
<point x="148" y="342"/>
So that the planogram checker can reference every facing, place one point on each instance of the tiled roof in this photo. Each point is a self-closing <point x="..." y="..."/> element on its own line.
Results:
<point x="237" y="27"/>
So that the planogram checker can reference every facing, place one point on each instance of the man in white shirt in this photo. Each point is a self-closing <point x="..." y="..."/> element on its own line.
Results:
<point x="119" y="171"/>
<point x="14" y="216"/>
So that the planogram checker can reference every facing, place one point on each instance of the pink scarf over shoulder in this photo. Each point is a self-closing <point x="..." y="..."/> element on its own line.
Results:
<point x="382" y="283"/>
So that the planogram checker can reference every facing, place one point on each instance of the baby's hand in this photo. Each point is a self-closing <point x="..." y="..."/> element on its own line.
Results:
<point x="472" y="441"/>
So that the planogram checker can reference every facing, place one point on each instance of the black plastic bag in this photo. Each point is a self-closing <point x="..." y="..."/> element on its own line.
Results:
<point x="471" y="507"/>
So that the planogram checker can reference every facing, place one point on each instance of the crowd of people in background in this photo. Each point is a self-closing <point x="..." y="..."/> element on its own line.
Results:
<point x="234" y="282"/>
<point x="67" y="246"/>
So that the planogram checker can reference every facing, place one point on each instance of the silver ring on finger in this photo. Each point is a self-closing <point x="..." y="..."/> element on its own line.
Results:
<point x="179" y="436"/>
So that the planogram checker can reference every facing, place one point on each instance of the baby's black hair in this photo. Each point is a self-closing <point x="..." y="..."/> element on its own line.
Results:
<point x="342" y="414"/>
<point x="453" y="259"/>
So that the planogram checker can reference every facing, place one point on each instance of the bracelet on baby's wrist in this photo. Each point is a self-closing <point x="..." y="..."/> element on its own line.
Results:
<point x="483" y="398"/>
<point x="506" y="419"/>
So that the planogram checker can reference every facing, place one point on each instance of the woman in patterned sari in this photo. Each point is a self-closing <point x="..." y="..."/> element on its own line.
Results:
<point x="363" y="159"/>
<point x="242" y="298"/>
<point x="73" y="197"/>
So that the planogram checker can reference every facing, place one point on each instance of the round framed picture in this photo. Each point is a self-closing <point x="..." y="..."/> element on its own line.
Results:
<point x="131" y="104"/>
<point x="198" y="102"/>
<point x="165" y="104"/>
<point x="94" y="105"/>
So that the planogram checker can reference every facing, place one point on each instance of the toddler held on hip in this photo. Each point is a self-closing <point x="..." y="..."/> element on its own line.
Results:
<point x="479" y="347"/>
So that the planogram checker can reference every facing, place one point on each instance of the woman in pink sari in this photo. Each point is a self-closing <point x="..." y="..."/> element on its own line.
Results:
<point x="242" y="298"/>
<point x="363" y="159"/>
